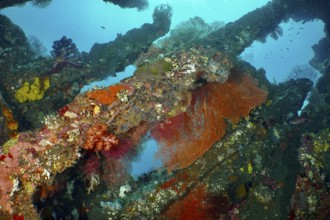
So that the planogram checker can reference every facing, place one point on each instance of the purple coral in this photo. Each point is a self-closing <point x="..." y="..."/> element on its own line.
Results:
<point x="64" y="49"/>
<point x="65" y="53"/>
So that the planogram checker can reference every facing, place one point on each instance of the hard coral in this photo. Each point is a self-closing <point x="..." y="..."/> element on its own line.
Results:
<point x="98" y="138"/>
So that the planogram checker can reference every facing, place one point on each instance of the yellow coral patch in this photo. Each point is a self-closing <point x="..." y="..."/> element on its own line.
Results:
<point x="30" y="92"/>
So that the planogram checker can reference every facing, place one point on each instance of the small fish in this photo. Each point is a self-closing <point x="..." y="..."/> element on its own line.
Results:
<point x="103" y="27"/>
<point x="298" y="121"/>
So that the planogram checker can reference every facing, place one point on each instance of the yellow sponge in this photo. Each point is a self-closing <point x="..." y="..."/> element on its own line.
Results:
<point x="34" y="91"/>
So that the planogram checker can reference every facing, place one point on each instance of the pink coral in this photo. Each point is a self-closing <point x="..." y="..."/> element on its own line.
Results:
<point x="11" y="178"/>
<point x="98" y="138"/>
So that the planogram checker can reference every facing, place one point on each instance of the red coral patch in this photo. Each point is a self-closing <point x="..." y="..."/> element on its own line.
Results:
<point x="187" y="136"/>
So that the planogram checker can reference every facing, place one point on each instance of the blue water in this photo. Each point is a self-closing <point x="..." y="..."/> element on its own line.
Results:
<point x="83" y="20"/>
<point x="293" y="48"/>
<point x="129" y="70"/>
<point x="147" y="161"/>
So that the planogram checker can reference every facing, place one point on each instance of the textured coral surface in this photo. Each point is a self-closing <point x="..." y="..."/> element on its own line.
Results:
<point x="114" y="121"/>
<point x="98" y="138"/>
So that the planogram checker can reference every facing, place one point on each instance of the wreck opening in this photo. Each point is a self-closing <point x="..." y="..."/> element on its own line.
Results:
<point x="286" y="48"/>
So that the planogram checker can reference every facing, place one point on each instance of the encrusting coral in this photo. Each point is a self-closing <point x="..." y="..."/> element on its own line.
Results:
<point x="106" y="96"/>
